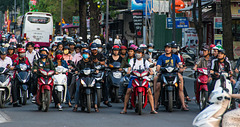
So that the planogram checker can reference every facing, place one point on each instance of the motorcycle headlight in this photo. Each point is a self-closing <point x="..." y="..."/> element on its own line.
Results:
<point x="83" y="83"/>
<point x="42" y="80"/>
<point x="49" y="81"/>
<point x="50" y="73"/>
<point x="136" y="82"/>
<point x="93" y="83"/>
<point x="117" y="74"/>
<point x="86" y="72"/>
<point x="164" y="80"/>
<point x="23" y="67"/>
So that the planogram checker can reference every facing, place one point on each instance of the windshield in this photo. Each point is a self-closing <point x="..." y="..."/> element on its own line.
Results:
<point x="39" y="20"/>
<point x="3" y="78"/>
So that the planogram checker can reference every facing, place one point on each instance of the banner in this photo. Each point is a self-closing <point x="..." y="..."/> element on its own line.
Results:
<point x="141" y="5"/>
<point x="218" y="39"/>
<point x="190" y="39"/>
<point x="235" y="9"/>
<point x="181" y="22"/>
<point x="236" y="49"/>
<point x="217" y="22"/>
<point x="75" y="20"/>
<point x="138" y="22"/>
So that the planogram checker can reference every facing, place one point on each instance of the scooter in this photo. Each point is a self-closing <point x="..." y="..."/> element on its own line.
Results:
<point x="5" y="86"/>
<point x="114" y="78"/>
<point x="44" y="91"/>
<point x="99" y="82"/>
<point x="23" y="75"/>
<point x="87" y="93"/>
<point x="60" y="83"/>
<point x="170" y="90"/>
<point x="202" y="88"/>
<point x="212" y="115"/>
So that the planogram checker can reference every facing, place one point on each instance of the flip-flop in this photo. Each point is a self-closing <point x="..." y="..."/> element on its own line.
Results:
<point x="153" y="112"/>
<point x="185" y="109"/>
<point x="96" y="110"/>
<point x="123" y="112"/>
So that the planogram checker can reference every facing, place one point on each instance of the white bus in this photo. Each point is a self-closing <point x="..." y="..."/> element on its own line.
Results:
<point x="38" y="27"/>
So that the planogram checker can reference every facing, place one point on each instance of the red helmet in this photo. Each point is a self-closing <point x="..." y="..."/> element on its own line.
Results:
<point x="123" y="47"/>
<point x="212" y="45"/>
<point x="21" y="50"/>
<point x="115" y="47"/>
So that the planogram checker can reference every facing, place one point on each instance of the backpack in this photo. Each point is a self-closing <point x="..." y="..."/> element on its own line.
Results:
<point x="134" y="61"/>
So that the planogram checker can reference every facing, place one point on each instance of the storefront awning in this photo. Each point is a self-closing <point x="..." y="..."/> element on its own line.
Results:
<point x="204" y="4"/>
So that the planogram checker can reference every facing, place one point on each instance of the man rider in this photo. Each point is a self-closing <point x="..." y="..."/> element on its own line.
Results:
<point x="139" y="62"/>
<point x="169" y="59"/>
<point x="71" y="48"/>
<point x="123" y="51"/>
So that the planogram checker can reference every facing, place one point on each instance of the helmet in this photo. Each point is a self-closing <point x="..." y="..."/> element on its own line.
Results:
<point x="205" y="47"/>
<point x="96" y="36"/>
<point x="21" y="50"/>
<point x="80" y="38"/>
<point x="131" y="48"/>
<point x="167" y="45"/>
<point x="174" y="45"/>
<point x="123" y="47"/>
<point x="84" y="45"/>
<point x="78" y="41"/>
<point x="143" y="46"/>
<point x="3" y="51"/>
<point x="58" y="52"/>
<point x="219" y="47"/>
<point x="212" y="45"/>
<point x="115" y="47"/>
<point x="54" y="45"/>
<point x="99" y="45"/>
<point x="222" y="51"/>
<point x="11" y="48"/>
<point x="71" y="43"/>
<point x="86" y="51"/>
<point x="37" y="46"/>
<point x="94" y="46"/>
<point x="44" y="49"/>
<point x="150" y="45"/>
<point x="77" y="46"/>
<point x="59" y="43"/>
<point x="30" y="43"/>
<point x="140" y="49"/>
<point x="66" y="47"/>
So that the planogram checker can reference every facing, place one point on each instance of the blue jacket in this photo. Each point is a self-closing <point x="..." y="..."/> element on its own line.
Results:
<point x="64" y="63"/>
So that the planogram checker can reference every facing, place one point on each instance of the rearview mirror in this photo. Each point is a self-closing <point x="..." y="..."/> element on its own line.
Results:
<point x="152" y="66"/>
<point x="128" y="65"/>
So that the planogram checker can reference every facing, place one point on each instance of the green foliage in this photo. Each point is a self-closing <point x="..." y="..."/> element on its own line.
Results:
<point x="9" y="4"/>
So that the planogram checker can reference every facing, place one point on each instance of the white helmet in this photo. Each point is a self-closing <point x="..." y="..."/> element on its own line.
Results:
<point x="44" y="49"/>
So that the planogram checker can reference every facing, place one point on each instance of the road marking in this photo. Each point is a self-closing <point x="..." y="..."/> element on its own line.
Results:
<point x="186" y="77"/>
<point x="4" y="117"/>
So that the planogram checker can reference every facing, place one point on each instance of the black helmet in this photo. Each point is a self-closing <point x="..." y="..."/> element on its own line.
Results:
<point x="30" y="43"/>
<point x="78" y="46"/>
<point x="174" y="45"/>
<point x="140" y="50"/>
<point x="58" y="52"/>
<point x="222" y="51"/>
<point x="71" y="43"/>
<point x="168" y="45"/>
<point x="3" y="51"/>
<point x="150" y="45"/>
<point x="84" y="45"/>
<point x="66" y="47"/>
<point x="99" y="45"/>
<point x="59" y="43"/>
<point x="11" y="48"/>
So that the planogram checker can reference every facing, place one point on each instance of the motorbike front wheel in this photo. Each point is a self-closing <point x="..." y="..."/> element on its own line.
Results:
<point x="99" y="97"/>
<point x="88" y="103"/>
<point x="170" y="101"/>
<point x="140" y="103"/>
<point x="24" y="97"/>
<point x="203" y="99"/>
<point x="116" y="95"/>
<point x="59" y="95"/>
<point x="2" y="100"/>
<point x="46" y="100"/>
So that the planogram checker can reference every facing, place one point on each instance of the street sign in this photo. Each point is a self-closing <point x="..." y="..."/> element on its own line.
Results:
<point x="75" y="20"/>
<point x="138" y="22"/>
<point x="217" y="22"/>
<point x="181" y="22"/>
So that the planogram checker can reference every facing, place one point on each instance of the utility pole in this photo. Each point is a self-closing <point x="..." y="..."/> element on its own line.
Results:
<point x="23" y="7"/>
<point x="173" y="20"/>
<point x="61" y="17"/>
<point x="107" y="13"/>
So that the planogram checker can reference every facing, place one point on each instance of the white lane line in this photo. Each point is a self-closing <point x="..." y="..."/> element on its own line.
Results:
<point x="188" y="78"/>
<point x="4" y="117"/>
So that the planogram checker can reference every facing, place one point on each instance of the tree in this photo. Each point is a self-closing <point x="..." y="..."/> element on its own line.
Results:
<point x="198" y="23"/>
<point x="227" y="28"/>
<point x="94" y="18"/>
<point x="83" y="22"/>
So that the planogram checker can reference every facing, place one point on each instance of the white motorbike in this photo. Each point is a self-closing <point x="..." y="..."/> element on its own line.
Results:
<point x="212" y="115"/>
<point x="60" y="83"/>
<point x="5" y="86"/>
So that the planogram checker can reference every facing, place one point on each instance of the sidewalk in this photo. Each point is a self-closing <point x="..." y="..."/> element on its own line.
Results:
<point x="4" y="118"/>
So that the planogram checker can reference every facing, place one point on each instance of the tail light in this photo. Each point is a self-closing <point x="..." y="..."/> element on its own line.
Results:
<point x="25" y="36"/>
<point x="50" y="38"/>
<point x="48" y="14"/>
<point x="29" y="13"/>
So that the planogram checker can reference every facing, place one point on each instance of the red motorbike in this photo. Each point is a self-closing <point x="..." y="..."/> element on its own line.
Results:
<point x="44" y="91"/>
<point x="202" y="88"/>
<point x="139" y="93"/>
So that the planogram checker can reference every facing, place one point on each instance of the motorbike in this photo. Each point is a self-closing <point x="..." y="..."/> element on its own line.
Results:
<point x="212" y="115"/>
<point x="114" y="78"/>
<point x="188" y="56"/>
<point x="170" y="90"/>
<point x="23" y="75"/>
<point x="140" y="87"/>
<point x="60" y="83"/>
<point x="87" y="93"/>
<point x="5" y="86"/>
<point x="202" y="88"/>
<point x="99" y="82"/>
<point x="44" y="91"/>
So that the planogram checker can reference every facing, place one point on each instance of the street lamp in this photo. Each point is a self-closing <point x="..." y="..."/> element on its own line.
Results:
<point x="61" y="16"/>
<point x="106" y="29"/>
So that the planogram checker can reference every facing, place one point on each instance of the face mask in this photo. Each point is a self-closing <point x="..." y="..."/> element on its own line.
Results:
<point x="212" y="51"/>
<point x="37" y="50"/>
<point x="59" y="56"/>
<point x="150" y="50"/>
<point x="22" y="54"/>
<point x="43" y="56"/>
<point x="174" y="50"/>
<point x="85" y="56"/>
<point x="145" y="51"/>
<point x="99" y="50"/>
<point x="65" y="51"/>
<point x="138" y="56"/>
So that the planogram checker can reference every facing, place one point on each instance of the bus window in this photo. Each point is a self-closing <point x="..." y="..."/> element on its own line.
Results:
<point x="39" y="20"/>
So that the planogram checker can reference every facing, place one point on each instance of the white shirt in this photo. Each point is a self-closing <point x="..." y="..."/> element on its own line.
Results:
<point x="117" y="42"/>
<point x="5" y="62"/>
<point x="139" y="63"/>
<point x="30" y="56"/>
<point x="97" y="41"/>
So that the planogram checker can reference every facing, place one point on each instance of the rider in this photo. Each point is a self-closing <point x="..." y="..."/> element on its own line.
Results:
<point x="6" y="62"/>
<point x="58" y="61"/>
<point x="66" y="55"/>
<point x="173" y="60"/>
<point x="123" y="51"/>
<point x="150" y="51"/>
<point x="31" y="54"/>
<point x="42" y="63"/>
<point x="97" y="40"/>
<point x="77" y="57"/>
<point x="130" y="55"/>
<point x="135" y="64"/>
<point x="71" y="48"/>
<point x="11" y="53"/>
<point x="13" y="39"/>
<point x="115" y="57"/>
<point x="98" y="57"/>
<point x="84" y="63"/>
<point x="37" y="47"/>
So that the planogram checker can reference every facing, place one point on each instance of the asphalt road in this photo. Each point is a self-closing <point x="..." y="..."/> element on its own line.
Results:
<point x="29" y="116"/>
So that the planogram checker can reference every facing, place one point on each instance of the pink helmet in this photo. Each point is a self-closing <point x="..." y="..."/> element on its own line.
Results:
<point x="37" y="46"/>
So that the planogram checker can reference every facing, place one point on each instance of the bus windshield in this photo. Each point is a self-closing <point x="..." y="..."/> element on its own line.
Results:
<point x="39" y="20"/>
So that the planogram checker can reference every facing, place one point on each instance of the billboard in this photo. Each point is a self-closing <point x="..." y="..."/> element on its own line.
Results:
<point x="141" y="5"/>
